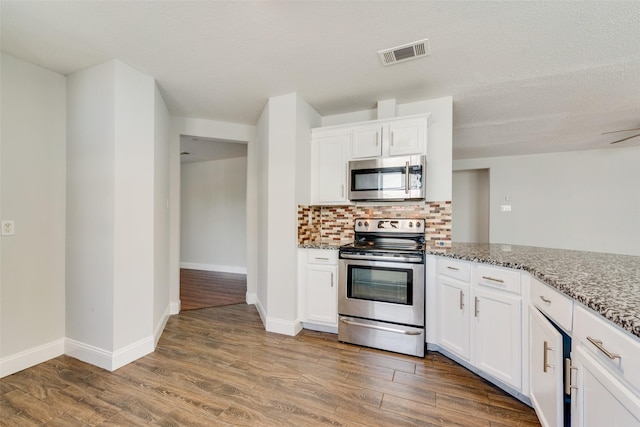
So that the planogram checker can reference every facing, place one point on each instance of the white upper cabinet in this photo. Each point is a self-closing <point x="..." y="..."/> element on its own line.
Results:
<point x="367" y="141"/>
<point x="329" y="168"/>
<point x="387" y="138"/>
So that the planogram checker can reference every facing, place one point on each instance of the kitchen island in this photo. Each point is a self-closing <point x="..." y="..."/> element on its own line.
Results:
<point x="607" y="283"/>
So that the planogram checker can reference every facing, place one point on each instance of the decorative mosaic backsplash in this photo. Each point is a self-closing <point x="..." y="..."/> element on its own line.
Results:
<point x="334" y="224"/>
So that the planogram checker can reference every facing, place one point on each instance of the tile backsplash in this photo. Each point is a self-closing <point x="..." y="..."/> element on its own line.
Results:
<point x="334" y="224"/>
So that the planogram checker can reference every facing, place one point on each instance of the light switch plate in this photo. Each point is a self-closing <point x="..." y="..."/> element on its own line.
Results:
<point x="8" y="228"/>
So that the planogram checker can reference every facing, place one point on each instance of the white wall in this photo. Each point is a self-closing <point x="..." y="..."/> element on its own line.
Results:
<point x="213" y="215"/>
<point x="470" y="206"/>
<point x="583" y="200"/>
<point x="90" y="206"/>
<point x="161" y="216"/>
<point x="284" y="129"/>
<point x="111" y="213"/>
<point x="439" y="139"/>
<point x="221" y="130"/>
<point x="32" y="193"/>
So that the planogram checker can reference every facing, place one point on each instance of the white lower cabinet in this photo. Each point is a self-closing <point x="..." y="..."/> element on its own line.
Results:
<point x="479" y="318"/>
<point x="318" y="286"/>
<point x="497" y="343"/>
<point x="453" y="316"/>
<point x="546" y="370"/>
<point x="600" y="398"/>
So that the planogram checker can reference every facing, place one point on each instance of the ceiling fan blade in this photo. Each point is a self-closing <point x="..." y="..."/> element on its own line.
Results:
<point x="622" y="130"/>
<point x="624" y="139"/>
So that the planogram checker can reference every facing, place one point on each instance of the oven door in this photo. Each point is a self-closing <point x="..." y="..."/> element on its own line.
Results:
<point x="384" y="291"/>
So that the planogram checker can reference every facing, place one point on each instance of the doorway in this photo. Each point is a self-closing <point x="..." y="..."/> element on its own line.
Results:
<point x="213" y="184"/>
<point x="470" y="206"/>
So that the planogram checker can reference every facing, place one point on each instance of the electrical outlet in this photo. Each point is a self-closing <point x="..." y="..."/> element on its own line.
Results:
<point x="505" y="208"/>
<point x="8" y="228"/>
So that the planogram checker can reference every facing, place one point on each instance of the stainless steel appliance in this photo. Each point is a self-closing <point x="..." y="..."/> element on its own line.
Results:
<point x="394" y="178"/>
<point x="381" y="286"/>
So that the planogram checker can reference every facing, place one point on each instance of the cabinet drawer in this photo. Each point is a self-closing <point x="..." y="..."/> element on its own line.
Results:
<point x="499" y="278"/>
<point x="322" y="256"/>
<point x="598" y="336"/>
<point x="557" y="306"/>
<point x="457" y="269"/>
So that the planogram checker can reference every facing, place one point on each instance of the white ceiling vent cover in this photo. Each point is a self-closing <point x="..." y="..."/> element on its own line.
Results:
<point x="405" y="52"/>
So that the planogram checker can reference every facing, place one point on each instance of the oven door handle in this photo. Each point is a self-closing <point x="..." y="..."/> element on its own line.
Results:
<point x="412" y="259"/>
<point x="351" y="322"/>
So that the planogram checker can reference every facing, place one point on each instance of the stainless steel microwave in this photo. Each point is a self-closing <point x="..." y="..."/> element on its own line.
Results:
<point x="389" y="179"/>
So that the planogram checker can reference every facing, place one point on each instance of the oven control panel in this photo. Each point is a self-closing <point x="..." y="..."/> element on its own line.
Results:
<point x="395" y="225"/>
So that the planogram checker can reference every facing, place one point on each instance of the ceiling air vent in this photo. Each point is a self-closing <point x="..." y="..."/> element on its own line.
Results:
<point x="405" y="52"/>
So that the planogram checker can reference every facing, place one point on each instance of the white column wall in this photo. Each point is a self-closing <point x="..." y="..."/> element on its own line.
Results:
<point x="32" y="193"/>
<point x="90" y="206"/>
<point x="161" y="216"/>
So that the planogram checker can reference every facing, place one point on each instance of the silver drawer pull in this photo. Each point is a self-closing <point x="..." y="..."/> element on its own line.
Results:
<point x="493" y="279"/>
<point x="453" y="268"/>
<point x="599" y="346"/>
<point x="567" y="376"/>
<point x="545" y="362"/>
<point x="324" y="259"/>
<point x="475" y="309"/>
<point x="461" y="300"/>
<point x="545" y="299"/>
<point x="380" y="328"/>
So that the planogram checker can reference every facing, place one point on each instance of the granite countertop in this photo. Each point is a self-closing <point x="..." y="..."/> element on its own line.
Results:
<point x="606" y="283"/>
<point x="321" y="244"/>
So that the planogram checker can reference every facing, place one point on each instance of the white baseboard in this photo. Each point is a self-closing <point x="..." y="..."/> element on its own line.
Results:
<point x="157" y="332"/>
<point x="262" y="312"/>
<point x="105" y="359"/>
<point x="31" y="357"/>
<point x="284" y="327"/>
<point x="174" y="307"/>
<point x="251" y="298"/>
<point x="214" y="267"/>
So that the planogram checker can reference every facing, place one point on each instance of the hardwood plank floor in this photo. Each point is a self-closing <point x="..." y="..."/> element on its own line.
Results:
<point x="202" y="289"/>
<point x="218" y="366"/>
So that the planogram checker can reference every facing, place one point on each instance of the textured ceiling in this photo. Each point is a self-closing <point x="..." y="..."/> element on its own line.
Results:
<point x="526" y="77"/>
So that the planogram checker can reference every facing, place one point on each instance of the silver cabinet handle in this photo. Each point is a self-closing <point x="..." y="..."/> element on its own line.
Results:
<point x="406" y="177"/>
<point x="461" y="300"/>
<point x="545" y="362"/>
<point x="599" y="346"/>
<point x="342" y="190"/>
<point x="493" y="279"/>
<point x="378" y="137"/>
<point x="332" y="279"/>
<point x="392" y="138"/>
<point x="567" y="376"/>
<point x="545" y="299"/>
<point x="323" y="259"/>
<point x="453" y="268"/>
<point x="380" y="328"/>
<point x="476" y="311"/>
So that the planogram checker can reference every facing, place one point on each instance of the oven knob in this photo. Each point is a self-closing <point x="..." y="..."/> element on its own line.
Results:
<point x="410" y="224"/>
<point x="359" y="223"/>
<point x="381" y="224"/>
<point x="417" y="224"/>
<point x="366" y="223"/>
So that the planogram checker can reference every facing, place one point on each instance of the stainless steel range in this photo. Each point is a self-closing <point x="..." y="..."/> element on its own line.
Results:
<point x="381" y="286"/>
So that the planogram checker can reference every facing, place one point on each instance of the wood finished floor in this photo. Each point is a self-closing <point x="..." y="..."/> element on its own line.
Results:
<point x="218" y="366"/>
<point x="202" y="289"/>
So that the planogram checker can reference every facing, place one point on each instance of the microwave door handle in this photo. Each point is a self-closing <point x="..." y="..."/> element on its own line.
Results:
<point x="406" y="178"/>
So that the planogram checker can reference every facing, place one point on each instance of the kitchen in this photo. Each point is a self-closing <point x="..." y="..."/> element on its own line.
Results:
<point x="582" y="219"/>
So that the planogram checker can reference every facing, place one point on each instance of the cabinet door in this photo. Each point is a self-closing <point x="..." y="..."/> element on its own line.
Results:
<point x="367" y="141"/>
<point x="407" y="137"/>
<point x="601" y="399"/>
<point x="322" y="294"/>
<point x="497" y="336"/>
<point x="331" y="179"/>
<point x="453" y="316"/>
<point x="546" y="358"/>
